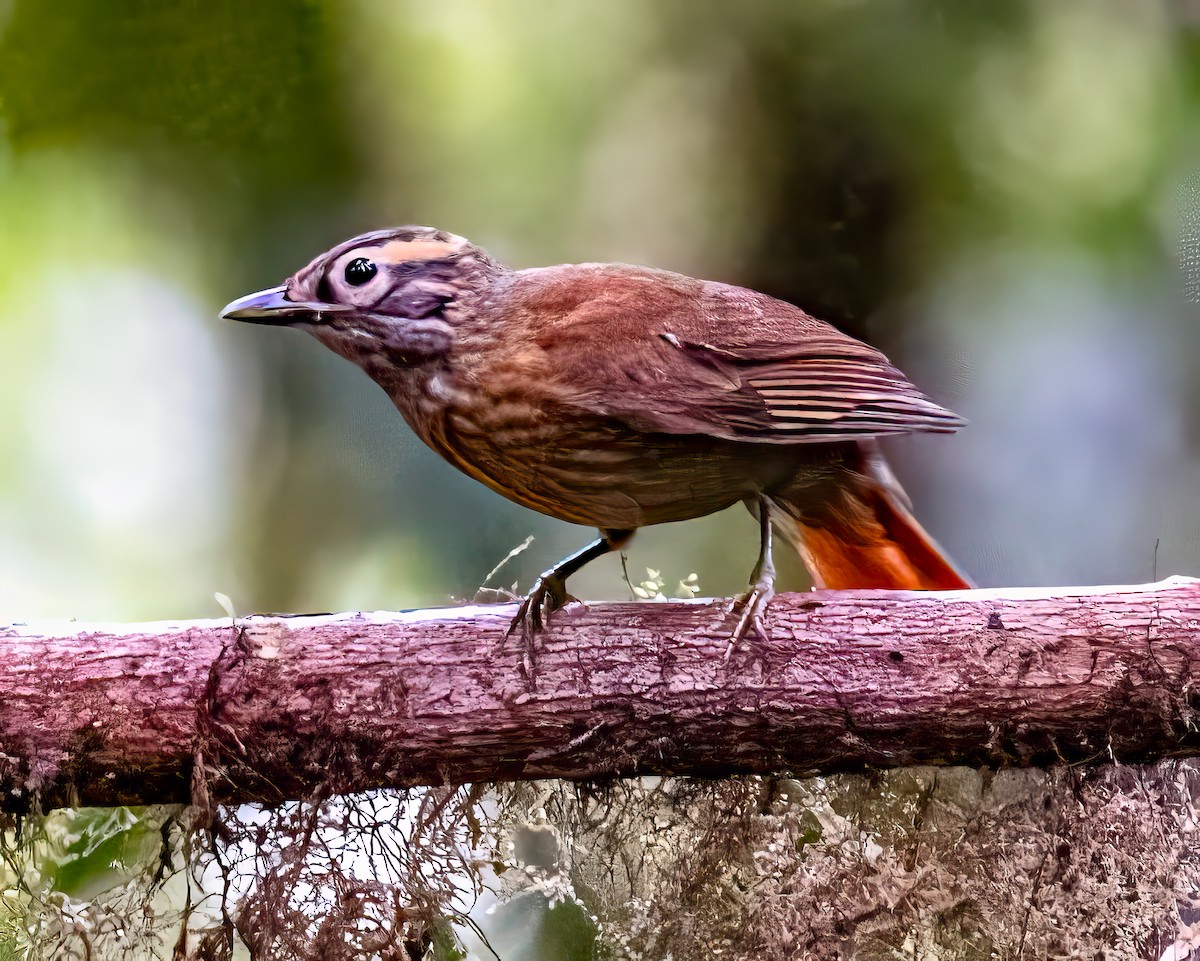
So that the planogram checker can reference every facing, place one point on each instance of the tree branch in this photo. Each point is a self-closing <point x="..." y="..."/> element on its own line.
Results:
<point x="279" y="706"/>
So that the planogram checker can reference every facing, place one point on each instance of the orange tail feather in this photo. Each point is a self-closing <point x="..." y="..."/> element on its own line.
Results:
<point x="896" y="554"/>
<point x="871" y="540"/>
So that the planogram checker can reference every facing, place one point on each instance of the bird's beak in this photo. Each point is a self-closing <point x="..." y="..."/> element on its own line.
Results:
<point x="273" y="307"/>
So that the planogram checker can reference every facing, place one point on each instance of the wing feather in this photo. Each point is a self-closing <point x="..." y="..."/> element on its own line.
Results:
<point x="793" y="393"/>
<point x="670" y="354"/>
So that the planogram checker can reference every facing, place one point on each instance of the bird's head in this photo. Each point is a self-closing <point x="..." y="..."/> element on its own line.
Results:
<point x="382" y="297"/>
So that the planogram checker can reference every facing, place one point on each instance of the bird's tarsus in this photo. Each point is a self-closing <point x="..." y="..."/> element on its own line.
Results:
<point x="752" y="605"/>
<point x="549" y="593"/>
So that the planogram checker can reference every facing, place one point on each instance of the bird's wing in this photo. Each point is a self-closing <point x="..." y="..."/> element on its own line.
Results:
<point x="827" y="387"/>
<point x="668" y="354"/>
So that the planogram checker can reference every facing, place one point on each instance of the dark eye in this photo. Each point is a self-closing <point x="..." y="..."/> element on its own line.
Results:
<point x="359" y="271"/>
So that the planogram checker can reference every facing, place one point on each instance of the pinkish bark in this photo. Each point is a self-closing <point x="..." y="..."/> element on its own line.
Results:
<point x="281" y="706"/>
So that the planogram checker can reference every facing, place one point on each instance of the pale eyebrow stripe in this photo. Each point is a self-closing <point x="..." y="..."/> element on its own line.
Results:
<point x="400" y="251"/>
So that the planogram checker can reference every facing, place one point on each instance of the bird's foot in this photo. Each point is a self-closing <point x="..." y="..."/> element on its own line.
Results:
<point x="549" y="593"/>
<point x="750" y="608"/>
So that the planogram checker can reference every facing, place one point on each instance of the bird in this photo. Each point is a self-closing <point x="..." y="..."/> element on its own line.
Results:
<point x="619" y="396"/>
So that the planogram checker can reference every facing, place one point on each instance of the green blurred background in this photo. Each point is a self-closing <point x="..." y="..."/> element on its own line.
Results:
<point x="991" y="193"/>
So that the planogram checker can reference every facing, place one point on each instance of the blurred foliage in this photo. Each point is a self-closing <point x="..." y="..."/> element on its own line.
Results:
<point x="988" y="191"/>
<point x="52" y="866"/>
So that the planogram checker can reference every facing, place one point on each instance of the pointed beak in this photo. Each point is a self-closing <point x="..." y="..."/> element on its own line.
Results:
<point x="273" y="307"/>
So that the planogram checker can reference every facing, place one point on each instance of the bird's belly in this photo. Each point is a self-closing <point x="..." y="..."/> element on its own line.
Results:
<point x="605" y="475"/>
<point x="587" y="469"/>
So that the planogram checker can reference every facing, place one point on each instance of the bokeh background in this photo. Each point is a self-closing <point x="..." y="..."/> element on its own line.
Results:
<point x="1004" y="197"/>
<point x="994" y="194"/>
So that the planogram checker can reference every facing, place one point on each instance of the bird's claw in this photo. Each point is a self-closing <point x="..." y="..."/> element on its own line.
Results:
<point x="750" y="607"/>
<point x="549" y="593"/>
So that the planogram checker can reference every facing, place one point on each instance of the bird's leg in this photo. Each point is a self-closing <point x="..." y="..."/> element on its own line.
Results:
<point x="753" y="603"/>
<point x="549" y="591"/>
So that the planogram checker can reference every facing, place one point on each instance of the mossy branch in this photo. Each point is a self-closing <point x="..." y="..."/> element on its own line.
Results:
<point x="281" y="707"/>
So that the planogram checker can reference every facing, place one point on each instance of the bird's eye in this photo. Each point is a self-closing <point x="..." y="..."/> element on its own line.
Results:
<point x="359" y="271"/>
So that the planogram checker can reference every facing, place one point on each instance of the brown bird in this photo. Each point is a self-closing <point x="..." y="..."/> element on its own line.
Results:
<point x="618" y="396"/>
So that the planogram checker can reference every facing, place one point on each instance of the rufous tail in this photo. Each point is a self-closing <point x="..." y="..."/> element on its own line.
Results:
<point x="869" y="539"/>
